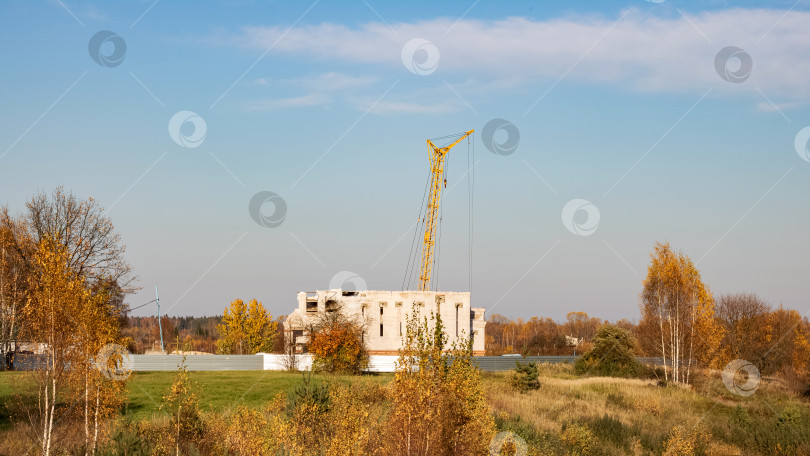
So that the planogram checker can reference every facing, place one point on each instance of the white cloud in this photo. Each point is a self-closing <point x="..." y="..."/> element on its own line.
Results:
<point x="639" y="52"/>
<point x="336" y="81"/>
<point x="313" y="99"/>
<point x="767" y="106"/>
<point x="406" y="107"/>
<point x="325" y="82"/>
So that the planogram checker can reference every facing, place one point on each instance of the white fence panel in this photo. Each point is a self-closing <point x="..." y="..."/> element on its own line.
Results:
<point x="382" y="363"/>
<point x="376" y="363"/>
<point x="277" y="362"/>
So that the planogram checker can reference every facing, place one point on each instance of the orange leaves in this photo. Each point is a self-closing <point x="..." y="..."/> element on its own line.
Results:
<point x="771" y="339"/>
<point x="338" y="346"/>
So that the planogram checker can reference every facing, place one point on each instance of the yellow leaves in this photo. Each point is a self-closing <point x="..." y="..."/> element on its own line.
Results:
<point x="246" y="329"/>
<point x="353" y="424"/>
<point x="73" y="322"/>
<point x="688" y="441"/>
<point x="678" y="444"/>
<point x="578" y="439"/>
<point x="678" y="321"/>
<point x="438" y="406"/>
<point x="801" y="353"/>
<point x="242" y="435"/>
<point x="181" y="401"/>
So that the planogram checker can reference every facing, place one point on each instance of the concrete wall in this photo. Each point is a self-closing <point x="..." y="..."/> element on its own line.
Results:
<point x="281" y="362"/>
<point x="387" y="363"/>
<point x="264" y="361"/>
<point x="376" y="363"/>
<point x="143" y="363"/>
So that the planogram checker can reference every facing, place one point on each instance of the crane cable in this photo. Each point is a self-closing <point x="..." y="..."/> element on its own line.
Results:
<point x="437" y="255"/>
<point x="471" y="188"/>
<point x="409" y="269"/>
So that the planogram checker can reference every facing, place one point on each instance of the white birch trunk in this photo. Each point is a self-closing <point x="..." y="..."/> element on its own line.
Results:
<point x="663" y="345"/>
<point x="95" y="422"/>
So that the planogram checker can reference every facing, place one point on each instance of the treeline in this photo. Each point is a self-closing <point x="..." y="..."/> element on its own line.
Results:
<point x="682" y="322"/>
<point x="540" y="336"/>
<point x="776" y="340"/>
<point x="243" y="329"/>
<point x="183" y="333"/>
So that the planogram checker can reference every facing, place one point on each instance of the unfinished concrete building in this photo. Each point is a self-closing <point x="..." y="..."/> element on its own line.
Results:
<point x="384" y="315"/>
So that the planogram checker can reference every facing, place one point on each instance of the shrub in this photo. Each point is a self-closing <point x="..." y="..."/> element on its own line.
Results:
<point x="618" y="400"/>
<point x="336" y="342"/>
<point x="309" y="392"/>
<point x="181" y="402"/>
<point x="678" y="443"/>
<point x="524" y="378"/>
<point x="578" y="439"/>
<point x="539" y="442"/>
<point x="240" y="433"/>
<point x="326" y="419"/>
<point x="688" y="441"/>
<point x="438" y="405"/>
<point x="790" y="416"/>
<point x="127" y="438"/>
<point x="611" y="355"/>
<point x="785" y="432"/>
<point x="355" y="419"/>
<point x="610" y="429"/>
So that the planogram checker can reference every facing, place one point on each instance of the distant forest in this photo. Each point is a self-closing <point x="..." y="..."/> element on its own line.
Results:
<point x="190" y="333"/>
<point x="536" y="336"/>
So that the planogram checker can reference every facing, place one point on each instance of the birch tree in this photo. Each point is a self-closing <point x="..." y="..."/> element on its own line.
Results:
<point x="50" y="315"/>
<point x="677" y="309"/>
<point x="14" y="246"/>
<point x="100" y="392"/>
<point x="72" y="308"/>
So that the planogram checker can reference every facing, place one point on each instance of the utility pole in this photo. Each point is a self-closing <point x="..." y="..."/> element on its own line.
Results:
<point x="160" y="326"/>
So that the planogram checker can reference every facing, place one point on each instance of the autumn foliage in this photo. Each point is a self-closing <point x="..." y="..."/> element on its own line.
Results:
<point x="71" y="260"/>
<point x="336" y="342"/>
<point x="246" y="329"/>
<point x="542" y="336"/>
<point x="438" y="405"/>
<point x="774" y="340"/>
<point x="434" y="406"/>
<point x="677" y="315"/>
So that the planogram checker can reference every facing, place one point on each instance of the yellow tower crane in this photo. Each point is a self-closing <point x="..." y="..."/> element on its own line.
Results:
<point x="437" y="159"/>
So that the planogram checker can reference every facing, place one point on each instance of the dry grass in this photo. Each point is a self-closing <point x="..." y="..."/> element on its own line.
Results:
<point x="632" y="416"/>
<point x="568" y="415"/>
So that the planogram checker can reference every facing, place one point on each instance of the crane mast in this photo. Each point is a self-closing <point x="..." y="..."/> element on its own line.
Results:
<point x="437" y="159"/>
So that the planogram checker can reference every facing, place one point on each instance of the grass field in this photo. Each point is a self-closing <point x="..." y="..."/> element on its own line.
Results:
<point x="616" y="416"/>
<point x="219" y="390"/>
<point x="567" y="415"/>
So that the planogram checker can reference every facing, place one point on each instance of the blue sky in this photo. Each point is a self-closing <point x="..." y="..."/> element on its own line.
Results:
<point x="621" y="107"/>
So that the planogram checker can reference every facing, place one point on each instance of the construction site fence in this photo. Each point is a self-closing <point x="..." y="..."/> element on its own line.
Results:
<point x="266" y="361"/>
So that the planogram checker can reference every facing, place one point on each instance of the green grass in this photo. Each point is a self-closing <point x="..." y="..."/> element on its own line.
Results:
<point x="9" y="386"/>
<point x="219" y="390"/>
